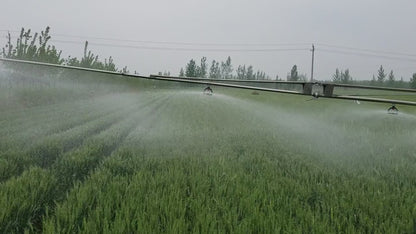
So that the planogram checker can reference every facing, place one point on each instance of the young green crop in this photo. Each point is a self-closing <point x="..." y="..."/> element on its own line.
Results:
<point x="212" y="175"/>
<point x="161" y="157"/>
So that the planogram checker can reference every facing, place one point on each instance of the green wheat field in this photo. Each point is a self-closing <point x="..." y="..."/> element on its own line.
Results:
<point x="82" y="152"/>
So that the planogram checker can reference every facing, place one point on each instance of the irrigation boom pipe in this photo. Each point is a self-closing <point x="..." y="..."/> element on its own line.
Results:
<point x="228" y="85"/>
<point x="223" y="83"/>
<point x="235" y="81"/>
<point x="293" y="82"/>
<point x="152" y="77"/>
<point x="373" y="87"/>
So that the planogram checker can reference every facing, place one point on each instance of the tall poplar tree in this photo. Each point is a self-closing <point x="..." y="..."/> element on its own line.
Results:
<point x="381" y="75"/>
<point x="391" y="80"/>
<point x="191" y="69"/>
<point x="226" y="69"/>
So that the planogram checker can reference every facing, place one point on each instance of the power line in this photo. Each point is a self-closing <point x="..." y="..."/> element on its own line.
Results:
<point x="169" y="48"/>
<point x="366" y="55"/>
<point x="9" y="31"/>
<point x="224" y="44"/>
<point x="354" y="51"/>
<point x="181" y="48"/>
<point x="181" y="43"/>
<point x="170" y="42"/>
<point x="366" y="50"/>
<point x="378" y="53"/>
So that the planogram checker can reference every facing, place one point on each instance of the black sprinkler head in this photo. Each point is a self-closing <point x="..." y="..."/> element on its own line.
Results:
<point x="393" y="110"/>
<point x="208" y="91"/>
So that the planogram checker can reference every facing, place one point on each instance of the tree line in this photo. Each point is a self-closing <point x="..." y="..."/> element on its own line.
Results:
<point x="221" y="70"/>
<point x="225" y="70"/>
<point x="344" y="77"/>
<point x="36" y="47"/>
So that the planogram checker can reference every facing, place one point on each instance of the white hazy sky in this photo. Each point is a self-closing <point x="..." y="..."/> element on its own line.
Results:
<point x="381" y="25"/>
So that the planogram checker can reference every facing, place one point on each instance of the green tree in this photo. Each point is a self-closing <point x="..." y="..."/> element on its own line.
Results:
<point x="226" y="69"/>
<point x="277" y="77"/>
<point x="124" y="70"/>
<point x="33" y="48"/>
<point x="250" y="73"/>
<point x="293" y="76"/>
<point x="346" y="77"/>
<point x="202" y="69"/>
<point x="391" y="80"/>
<point x="182" y="73"/>
<point x="89" y="60"/>
<point x="260" y="75"/>
<point x="381" y="75"/>
<point x="336" y="77"/>
<point x="413" y="81"/>
<point x="110" y="66"/>
<point x="241" y="72"/>
<point x="214" y="71"/>
<point x="37" y="48"/>
<point x="191" y="69"/>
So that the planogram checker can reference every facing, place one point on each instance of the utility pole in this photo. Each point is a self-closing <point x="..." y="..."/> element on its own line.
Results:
<point x="313" y="57"/>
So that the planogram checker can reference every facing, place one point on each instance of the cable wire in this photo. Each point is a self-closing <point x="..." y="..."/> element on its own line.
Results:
<point x="170" y="43"/>
<point x="183" y="49"/>
<point x="367" y="50"/>
<point x="182" y="43"/>
<point x="366" y="55"/>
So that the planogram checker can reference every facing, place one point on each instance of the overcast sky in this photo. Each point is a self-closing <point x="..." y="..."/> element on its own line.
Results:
<point x="380" y="25"/>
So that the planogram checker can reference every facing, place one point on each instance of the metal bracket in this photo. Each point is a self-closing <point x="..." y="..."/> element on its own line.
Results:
<point x="307" y="88"/>
<point x="328" y="90"/>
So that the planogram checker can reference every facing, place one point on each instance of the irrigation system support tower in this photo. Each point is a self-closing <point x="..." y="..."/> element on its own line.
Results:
<point x="313" y="57"/>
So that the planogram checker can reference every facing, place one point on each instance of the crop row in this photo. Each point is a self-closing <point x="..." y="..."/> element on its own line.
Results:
<point x="32" y="117"/>
<point x="27" y="209"/>
<point x="45" y="150"/>
<point x="134" y="193"/>
<point x="35" y="127"/>
<point x="212" y="175"/>
<point x="41" y="128"/>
